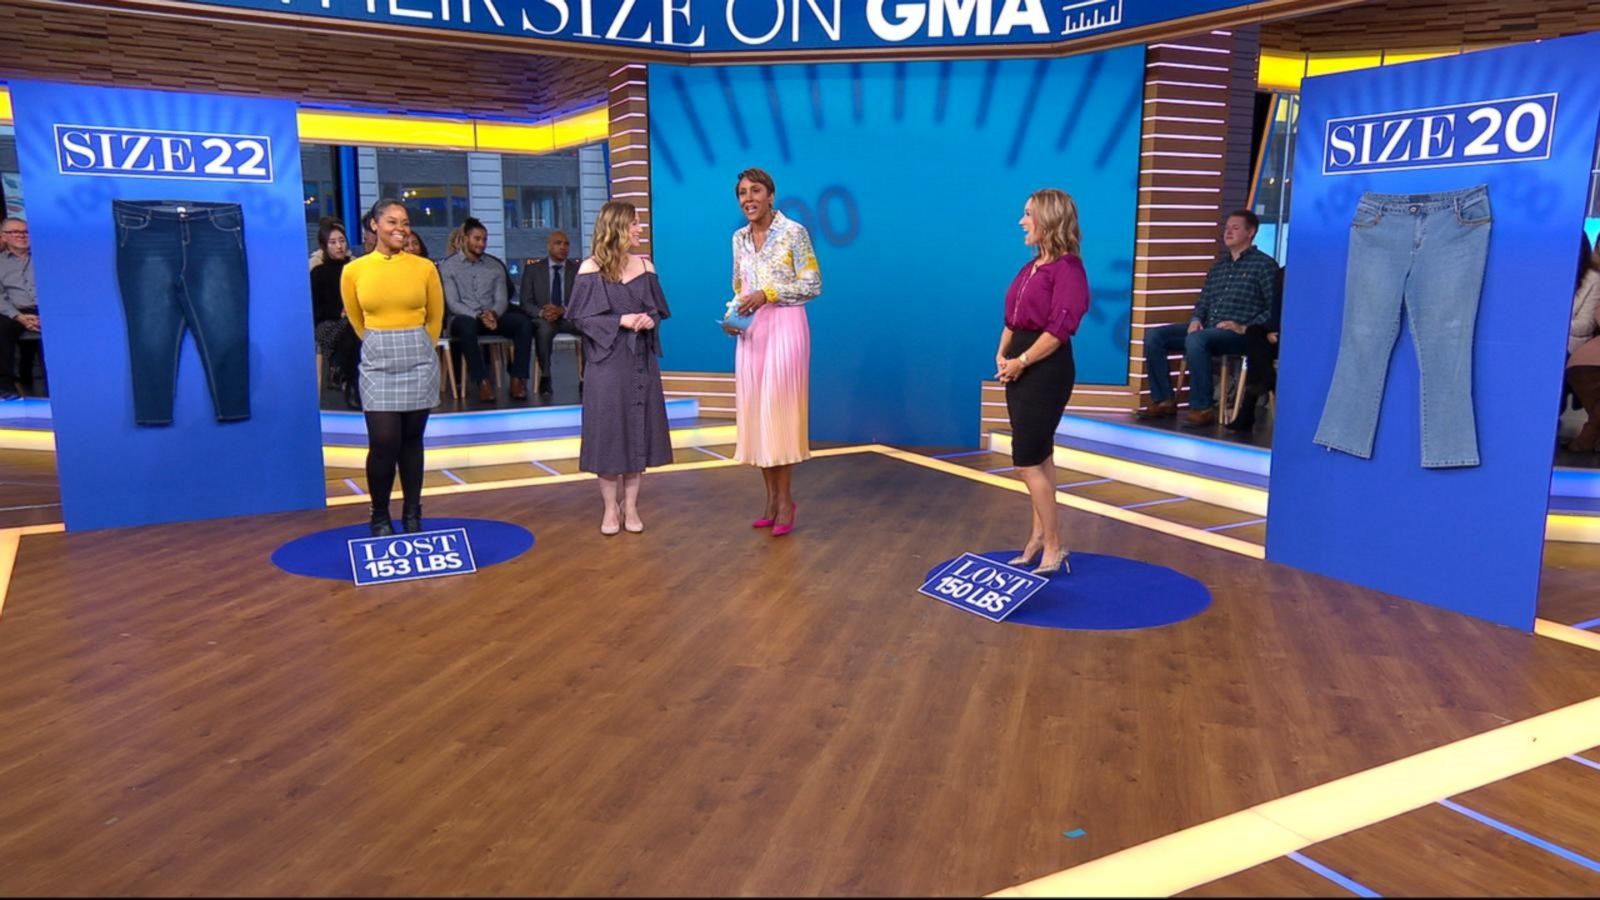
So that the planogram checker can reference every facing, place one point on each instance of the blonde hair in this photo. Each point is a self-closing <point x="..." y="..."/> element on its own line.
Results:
<point x="1055" y="220"/>
<point x="452" y="244"/>
<point x="611" y="240"/>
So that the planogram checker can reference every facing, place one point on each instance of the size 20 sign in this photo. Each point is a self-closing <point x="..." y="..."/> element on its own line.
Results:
<point x="142" y="153"/>
<point x="1513" y="129"/>
<point x="982" y="586"/>
<point x="407" y="557"/>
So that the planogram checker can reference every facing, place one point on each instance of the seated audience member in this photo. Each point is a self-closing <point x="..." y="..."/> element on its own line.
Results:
<point x="546" y="283"/>
<point x="19" y="304"/>
<point x="416" y="247"/>
<point x="1260" y="355"/>
<point x="477" y="299"/>
<point x="1583" y="363"/>
<point x="1238" y="292"/>
<point x="333" y="331"/>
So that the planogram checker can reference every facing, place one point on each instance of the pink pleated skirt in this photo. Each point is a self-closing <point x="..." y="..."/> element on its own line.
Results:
<point x="772" y="368"/>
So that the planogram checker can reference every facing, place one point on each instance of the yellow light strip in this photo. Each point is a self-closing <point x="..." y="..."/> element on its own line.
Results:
<point x="10" y="542"/>
<point x="1576" y="529"/>
<point x="319" y="126"/>
<point x="27" y="439"/>
<point x="1233" y="843"/>
<point x="1217" y="492"/>
<point x="1557" y="631"/>
<point x="1330" y="63"/>
<point x="1131" y="517"/>
<point x="537" y="480"/>
<point x="1280" y="71"/>
<point x="469" y="455"/>
<point x="323" y="127"/>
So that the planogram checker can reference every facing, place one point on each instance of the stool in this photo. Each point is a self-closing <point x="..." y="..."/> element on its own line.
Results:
<point x="1227" y="404"/>
<point x="447" y="366"/>
<point x="561" y="339"/>
<point x="499" y="359"/>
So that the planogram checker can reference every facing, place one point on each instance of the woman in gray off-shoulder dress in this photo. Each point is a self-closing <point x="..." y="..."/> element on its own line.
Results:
<point x="616" y="303"/>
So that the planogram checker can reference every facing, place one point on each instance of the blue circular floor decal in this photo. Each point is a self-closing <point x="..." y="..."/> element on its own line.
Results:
<point x="1107" y="593"/>
<point x="326" y="554"/>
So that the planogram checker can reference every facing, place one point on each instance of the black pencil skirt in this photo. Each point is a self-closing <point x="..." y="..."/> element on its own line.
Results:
<point x="1036" y="400"/>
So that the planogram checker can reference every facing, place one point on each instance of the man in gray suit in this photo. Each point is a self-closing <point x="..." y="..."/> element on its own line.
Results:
<point x="546" y="284"/>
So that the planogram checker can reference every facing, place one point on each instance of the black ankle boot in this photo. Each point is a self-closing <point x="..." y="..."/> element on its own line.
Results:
<point x="382" y="525"/>
<point x="411" y="518"/>
<point x="352" y="395"/>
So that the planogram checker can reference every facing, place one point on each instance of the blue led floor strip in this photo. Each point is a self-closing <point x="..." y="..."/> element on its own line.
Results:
<point x="452" y="476"/>
<point x="1521" y="835"/>
<point x="1349" y="884"/>
<point x="1587" y="625"/>
<point x="356" y="488"/>
<point x="961" y="454"/>
<point x="1587" y="762"/>
<point x="544" y="467"/>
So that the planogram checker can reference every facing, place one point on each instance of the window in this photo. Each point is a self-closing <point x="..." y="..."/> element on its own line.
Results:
<point x="541" y="196"/>
<point x="321" y="188"/>
<point x="10" y="173"/>
<point x="433" y="186"/>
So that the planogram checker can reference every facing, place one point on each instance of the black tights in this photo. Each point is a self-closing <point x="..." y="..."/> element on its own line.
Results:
<point x="395" y="439"/>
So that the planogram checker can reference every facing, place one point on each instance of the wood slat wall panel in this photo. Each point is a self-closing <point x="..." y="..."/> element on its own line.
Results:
<point x="1418" y="24"/>
<point x="1188" y="144"/>
<point x="628" y="88"/>
<point x="94" y="46"/>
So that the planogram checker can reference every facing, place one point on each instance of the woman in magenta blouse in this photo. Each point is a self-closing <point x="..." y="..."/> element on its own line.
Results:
<point x="1046" y="302"/>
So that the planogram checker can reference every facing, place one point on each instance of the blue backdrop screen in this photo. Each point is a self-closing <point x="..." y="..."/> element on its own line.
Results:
<point x="80" y="149"/>
<point x="911" y="178"/>
<point x="1467" y="539"/>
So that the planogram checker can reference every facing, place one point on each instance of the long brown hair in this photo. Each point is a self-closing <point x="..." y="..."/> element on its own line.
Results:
<point x="1055" y="219"/>
<point x="611" y="241"/>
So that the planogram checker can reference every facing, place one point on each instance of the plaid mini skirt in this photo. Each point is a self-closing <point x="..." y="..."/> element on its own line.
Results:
<point x="399" y="371"/>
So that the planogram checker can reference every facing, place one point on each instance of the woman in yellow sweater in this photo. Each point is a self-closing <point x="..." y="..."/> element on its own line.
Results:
<point x="396" y="304"/>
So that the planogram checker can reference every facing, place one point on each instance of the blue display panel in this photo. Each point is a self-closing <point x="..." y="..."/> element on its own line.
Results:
<point x="911" y="178"/>
<point x="1521" y="121"/>
<point x="219" y="179"/>
<point x="760" y="25"/>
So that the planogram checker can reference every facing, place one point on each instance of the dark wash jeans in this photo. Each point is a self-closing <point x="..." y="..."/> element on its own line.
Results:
<point x="183" y="264"/>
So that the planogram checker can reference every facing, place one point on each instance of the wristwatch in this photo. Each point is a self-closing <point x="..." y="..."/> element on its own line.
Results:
<point x="1024" y="358"/>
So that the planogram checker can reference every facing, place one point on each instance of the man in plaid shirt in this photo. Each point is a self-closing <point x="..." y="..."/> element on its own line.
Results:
<point x="1240" y="291"/>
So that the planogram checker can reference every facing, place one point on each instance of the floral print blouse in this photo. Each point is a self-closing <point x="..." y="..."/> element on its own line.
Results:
<point x="785" y="268"/>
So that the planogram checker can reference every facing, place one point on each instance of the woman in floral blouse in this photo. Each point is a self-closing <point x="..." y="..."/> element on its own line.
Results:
<point x="774" y="275"/>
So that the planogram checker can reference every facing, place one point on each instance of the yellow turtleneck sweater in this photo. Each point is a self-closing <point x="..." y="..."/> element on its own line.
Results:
<point x="393" y="293"/>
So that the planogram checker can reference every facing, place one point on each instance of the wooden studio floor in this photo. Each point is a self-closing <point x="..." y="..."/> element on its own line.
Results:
<point x="701" y="709"/>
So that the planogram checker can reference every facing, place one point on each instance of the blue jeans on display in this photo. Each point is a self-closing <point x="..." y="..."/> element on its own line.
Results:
<point x="1200" y="349"/>
<point x="183" y="264"/>
<point x="1425" y="253"/>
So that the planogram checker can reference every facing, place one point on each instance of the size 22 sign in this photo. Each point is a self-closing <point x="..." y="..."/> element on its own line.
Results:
<point x="1513" y="129"/>
<point x="143" y="153"/>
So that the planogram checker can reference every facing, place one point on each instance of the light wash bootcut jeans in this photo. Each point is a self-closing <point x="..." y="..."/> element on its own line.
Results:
<point x="1425" y="253"/>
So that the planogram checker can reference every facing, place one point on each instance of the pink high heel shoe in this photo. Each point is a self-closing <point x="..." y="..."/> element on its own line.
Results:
<point x="781" y="530"/>
<point x="762" y="523"/>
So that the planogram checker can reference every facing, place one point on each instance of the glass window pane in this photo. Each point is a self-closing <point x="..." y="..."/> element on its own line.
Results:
<point x="321" y="189"/>
<point x="433" y="186"/>
<point x="541" y="196"/>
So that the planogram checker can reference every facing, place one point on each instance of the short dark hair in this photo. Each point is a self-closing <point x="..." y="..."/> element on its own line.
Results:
<point x="473" y="224"/>
<point x="759" y="176"/>
<point x="1250" y="218"/>
<point x="326" y="228"/>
